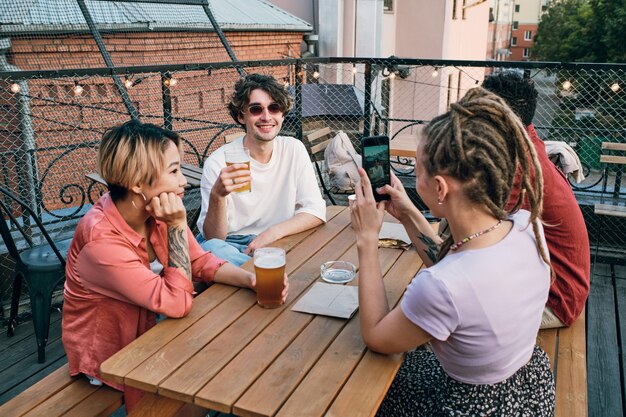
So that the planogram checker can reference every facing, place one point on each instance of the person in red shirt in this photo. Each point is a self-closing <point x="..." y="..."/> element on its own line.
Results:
<point x="564" y="225"/>
<point x="133" y="255"/>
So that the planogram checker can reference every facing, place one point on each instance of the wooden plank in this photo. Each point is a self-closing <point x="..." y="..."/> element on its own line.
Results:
<point x="571" y="375"/>
<point x="614" y="146"/>
<point x="232" y="136"/>
<point x="38" y="393"/>
<point x="101" y="403"/>
<point x="610" y="210"/>
<point x="366" y="388"/>
<point x="155" y="369"/>
<point x="613" y="159"/>
<point x="197" y="371"/>
<point x="319" y="147"/>
<point x="316" y="134"/>
<point x="547" y="340"/>
<point x="118" y="366"/>
<point x="320" y="386"/>
<point x="64" y="400"/>
<point x="603" y="376"/>
<point x="403" y="146"/>
<point x="620" y="295"/>
<point x="269" y="391"/>
<point x="152" y="405"/>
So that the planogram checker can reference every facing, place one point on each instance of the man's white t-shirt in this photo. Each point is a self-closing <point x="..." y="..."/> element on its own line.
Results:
<point x="282" y="188"/>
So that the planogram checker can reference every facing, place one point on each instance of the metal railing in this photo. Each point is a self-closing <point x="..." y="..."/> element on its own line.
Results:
<point x="51" y="121"/>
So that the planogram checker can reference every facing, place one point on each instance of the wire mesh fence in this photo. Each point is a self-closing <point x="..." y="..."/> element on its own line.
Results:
<point x="51" y="120"/>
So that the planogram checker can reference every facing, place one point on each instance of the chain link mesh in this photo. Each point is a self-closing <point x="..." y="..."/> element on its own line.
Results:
<point x="52" y="117"/>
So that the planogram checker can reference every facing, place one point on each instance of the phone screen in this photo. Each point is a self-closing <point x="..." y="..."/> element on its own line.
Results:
<point x="375" y="153"/>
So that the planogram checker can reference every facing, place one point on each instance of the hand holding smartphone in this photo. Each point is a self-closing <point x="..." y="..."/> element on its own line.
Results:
<point x="375" y="156"/>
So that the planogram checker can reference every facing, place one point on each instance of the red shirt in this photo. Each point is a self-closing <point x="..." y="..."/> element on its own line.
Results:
<point x="566" y="236"/>
<point x="111" y="295"/>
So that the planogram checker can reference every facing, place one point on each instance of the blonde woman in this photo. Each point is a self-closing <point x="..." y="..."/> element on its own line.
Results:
<point x="480" y="301"/>
<point x="133" y="255"/>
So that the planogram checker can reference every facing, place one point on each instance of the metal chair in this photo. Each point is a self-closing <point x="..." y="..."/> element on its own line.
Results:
<point x="41" y="265"/>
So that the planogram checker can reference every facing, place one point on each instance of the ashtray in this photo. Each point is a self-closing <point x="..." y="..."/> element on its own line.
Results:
<point x="337" y="272"/>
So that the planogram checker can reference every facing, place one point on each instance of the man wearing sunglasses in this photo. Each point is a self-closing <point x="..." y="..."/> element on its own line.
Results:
<point x="285" y="197"/>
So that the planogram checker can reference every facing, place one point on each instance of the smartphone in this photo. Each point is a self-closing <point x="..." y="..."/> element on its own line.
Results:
<point x="375" y="156"/>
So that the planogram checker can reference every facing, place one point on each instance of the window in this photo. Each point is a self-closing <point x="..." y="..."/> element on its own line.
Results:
<point x="526" y="53"/>
<point x="528" y="35"/>
<point x="388" y="6"/>
<point x="513" y="41"/>
<point x="517" y="8"/>
<point x="515" y="25"/>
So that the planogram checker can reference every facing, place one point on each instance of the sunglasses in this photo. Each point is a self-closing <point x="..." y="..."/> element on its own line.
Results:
<point x="256" y="109"/>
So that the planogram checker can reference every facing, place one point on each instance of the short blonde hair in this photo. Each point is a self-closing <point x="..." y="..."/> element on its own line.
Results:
<point x="133" y="153"/>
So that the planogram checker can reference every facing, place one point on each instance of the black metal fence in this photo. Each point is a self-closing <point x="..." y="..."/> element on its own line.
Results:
<point x="51" y="121"/>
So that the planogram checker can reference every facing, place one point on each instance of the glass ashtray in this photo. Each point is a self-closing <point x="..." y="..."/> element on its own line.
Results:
<point x="337" y="272"/>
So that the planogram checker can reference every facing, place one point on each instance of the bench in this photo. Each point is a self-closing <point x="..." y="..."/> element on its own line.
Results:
<point x="566" y="347"/>
<point x="59" y="394"/>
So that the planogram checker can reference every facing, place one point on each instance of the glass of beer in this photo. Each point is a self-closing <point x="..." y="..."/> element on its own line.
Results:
<point x="238" y="156"/>
<point x="269" y="266"/>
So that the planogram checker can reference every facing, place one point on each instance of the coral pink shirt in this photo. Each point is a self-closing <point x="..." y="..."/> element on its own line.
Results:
<point x="111" y="295"/>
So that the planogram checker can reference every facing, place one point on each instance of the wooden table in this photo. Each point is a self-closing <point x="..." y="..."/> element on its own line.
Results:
<point x="233" y="356"/>
<point x="403" y="145"/>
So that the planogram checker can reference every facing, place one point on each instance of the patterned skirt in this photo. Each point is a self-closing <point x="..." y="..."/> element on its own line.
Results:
<point x="422" y="388"/>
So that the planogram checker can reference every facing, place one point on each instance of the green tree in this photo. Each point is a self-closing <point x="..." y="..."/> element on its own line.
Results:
<point x="582" y="31"/>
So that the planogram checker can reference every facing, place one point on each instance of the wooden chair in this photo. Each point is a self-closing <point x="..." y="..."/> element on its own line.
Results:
<point x="42" y="265"/>
<point x="316" y="143"/>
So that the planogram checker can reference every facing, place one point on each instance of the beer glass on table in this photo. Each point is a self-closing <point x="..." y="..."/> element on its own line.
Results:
<point x="269" y="266"/>
<point x="239" y="156"/>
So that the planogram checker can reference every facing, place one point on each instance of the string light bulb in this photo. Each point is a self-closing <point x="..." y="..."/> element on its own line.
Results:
<point x="173" y="82"/>
<point x="128" y="83"/>
<point x="615" y="87"/>
<point x="316" y="74"/>
<point x="567" y="85"/>
<point x="15" y="88"/>
<point x="435" y="73"/>
<point x="78" y="89"/>
<point x="354" y="70"/>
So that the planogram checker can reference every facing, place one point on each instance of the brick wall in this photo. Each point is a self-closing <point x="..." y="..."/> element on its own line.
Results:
<point x="63" y="121"/>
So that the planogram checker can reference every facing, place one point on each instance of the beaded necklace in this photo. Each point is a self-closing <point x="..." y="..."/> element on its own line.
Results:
<point x="461" y="242"/>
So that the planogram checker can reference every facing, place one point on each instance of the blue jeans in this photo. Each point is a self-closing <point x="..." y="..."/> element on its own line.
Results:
<point x="230" y="250"/>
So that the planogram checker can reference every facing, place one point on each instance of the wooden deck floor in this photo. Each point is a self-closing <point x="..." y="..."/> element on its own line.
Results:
<point x="606" y="340"/>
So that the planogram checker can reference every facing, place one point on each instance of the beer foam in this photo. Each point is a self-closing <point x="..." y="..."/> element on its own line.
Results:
<point x="269" y="261"/>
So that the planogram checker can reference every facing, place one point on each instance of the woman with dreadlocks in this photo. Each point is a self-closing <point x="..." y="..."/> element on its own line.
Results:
<point x="480" y="301"/>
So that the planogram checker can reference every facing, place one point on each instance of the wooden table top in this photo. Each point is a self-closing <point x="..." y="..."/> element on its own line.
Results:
<point x="233" y="356"/>
<point x="403" y="145"/>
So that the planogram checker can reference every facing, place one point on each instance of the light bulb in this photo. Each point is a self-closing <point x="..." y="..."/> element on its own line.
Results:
<point x="316" y="74"/>
<point x="615" y="87"/>
<point x="78" y="90"/>
<point x="567" y="85"/>
<point x="15" y="88"/>
<point x="167" y="82"/>
<point x="173" y="82"/>
<point x="435" y="73"/>
<point x="128" y="83"/>
<point x="354" y="70"/>
<point x="392" y="75"/>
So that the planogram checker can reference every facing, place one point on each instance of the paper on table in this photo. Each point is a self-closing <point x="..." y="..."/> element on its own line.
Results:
<point x="329" y="300"/>
<point x="393" y="235"/>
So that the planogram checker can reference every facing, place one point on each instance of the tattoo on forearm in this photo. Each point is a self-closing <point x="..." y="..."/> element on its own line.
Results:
<point x="431" y="248"/>
<point x="179" y="250"/>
